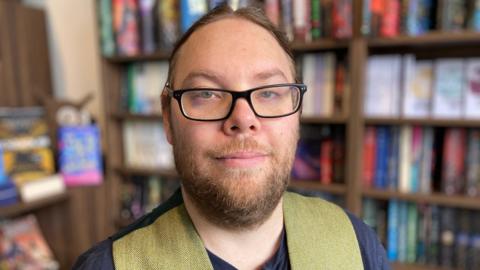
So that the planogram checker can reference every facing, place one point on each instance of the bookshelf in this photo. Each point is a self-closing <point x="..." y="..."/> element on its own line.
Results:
<point x="23" y="208"/>
<point x="356" y="51"/>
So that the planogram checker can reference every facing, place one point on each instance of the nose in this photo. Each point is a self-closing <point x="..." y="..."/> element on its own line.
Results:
<point x="242" y="120"/>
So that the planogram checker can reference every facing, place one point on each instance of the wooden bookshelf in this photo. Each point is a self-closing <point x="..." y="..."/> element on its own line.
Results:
<point x="22" y="208"/>
<point x="423" y="122"/>
<point x="432" y="39"/>
<point x="433" y="198"/>
<point x="336" y="189"/>
<point x="356" y="51"/>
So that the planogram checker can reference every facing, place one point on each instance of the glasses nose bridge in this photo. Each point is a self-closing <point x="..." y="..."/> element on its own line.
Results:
<point x="238" y="95"/>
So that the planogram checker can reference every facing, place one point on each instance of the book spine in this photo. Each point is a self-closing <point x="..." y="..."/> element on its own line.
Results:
<point x="473" y="164"/>
<point x="393" y="225"/>
<point x="472" y="89"/>
<point x="390" y="18"/>
<point x="412" y="235"/>
<point x="405" y="159"/>
<point x="427" y="161"/>
<point x="454" y="161"/>
<point x="106" y="27"/>
<point x="369" y="156"/>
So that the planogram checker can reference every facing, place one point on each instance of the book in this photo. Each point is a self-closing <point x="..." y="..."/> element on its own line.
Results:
<point x="342" y="19"/>
<point x="390" y="23"/>
<point x="80" y="157"/>
<point x="338" y="155"/>
<point x="326" y="155"/>
<point x="448" y="89"/>
<point x="306" y="165"/>
<point x="472" y="165"/>
<point x="417" y="88"/>
<point x="393" y="225"/>
<point x="382" y="89"/>
<point x="381" y="166"/>
<point x="125" y="27"/>
<point x="41" y="188"/>
<point x="106" y="27"/>
<point x="190" y="12"/>
<point x="369" y="156"/>
<point x="447" y="232"/>
<point x="169" y="28"/>
<point x="402" y="231"/>
<point x="148" y="25"/>
<point x="474" y="17"/>
<point x="316" y="19"/>
<point x="23" y="245"/>
<point x="462" y="239"/>
<point x="393" y="158"/>
<point x="272" y="10"/>
<point x="452" y="15"/>
<point x="472" y="89"/>
<point x="405" y="159"/>
<point x="25" y="143"/>
<point x="301" y="20"/>
<point x="412" y="233"/>
<point x="426" y="163"/>
<point x="416" y="159"/>
<point x="453" y="169"/>
<point x="145" y="146"/>
<point x="8" y="193"/>
<point x="287" y="18"/>
<point x="433" y="236"/>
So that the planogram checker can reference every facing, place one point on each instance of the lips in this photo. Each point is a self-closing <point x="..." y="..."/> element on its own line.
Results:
<point x="242" y="159"/>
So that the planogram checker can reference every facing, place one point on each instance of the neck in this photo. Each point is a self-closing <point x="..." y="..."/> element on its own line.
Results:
<point x="245" y="249"/>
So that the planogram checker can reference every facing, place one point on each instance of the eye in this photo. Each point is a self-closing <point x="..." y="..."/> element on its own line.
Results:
<point x="205" y="94"/>
<point x="268" y="94"/>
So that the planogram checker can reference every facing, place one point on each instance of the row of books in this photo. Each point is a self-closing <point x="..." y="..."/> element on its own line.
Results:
<point x="320" y="154"/>
<point x="23" y="246"/>
<point x="132" y="27"/>
<point x="426" y="234"/>
<point x="389" y="18"/>
<point x="142" y="194"/>
<point x="27" y="160"/>
<point x="141" y="87"/>
<point x="328" y="87"/>
<point x="422" y="159"/>
<point x="307" y="20"/>
<point x="145" y="146"/>
<point x="399" y="85"/>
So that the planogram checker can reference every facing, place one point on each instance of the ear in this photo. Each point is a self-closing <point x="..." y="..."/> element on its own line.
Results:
<point x="166" y="116"/>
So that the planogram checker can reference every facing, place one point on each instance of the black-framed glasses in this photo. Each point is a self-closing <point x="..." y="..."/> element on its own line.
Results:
<point x="210" y="104"/>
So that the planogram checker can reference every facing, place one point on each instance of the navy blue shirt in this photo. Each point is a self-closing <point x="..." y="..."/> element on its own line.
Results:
<point x="101" y="257"/>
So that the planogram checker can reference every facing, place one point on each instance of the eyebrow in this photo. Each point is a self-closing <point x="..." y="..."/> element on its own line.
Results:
<point x="216" y="78"/>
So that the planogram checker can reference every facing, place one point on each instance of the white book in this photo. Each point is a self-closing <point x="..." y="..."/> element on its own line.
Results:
<point x="308" y="75"/>
<point x="149" y="81"/>
<point x="472" y="89"/>
<point x="145" y="146"/>
<point x="37" y="189"/>
<point x="448" y="89"/>
<point x="382" y="89"/>
<point x="405" y="159"/>
<point x="417" y="88"/>
<point x="328" y="84"/>
<point x="301" y="19"/>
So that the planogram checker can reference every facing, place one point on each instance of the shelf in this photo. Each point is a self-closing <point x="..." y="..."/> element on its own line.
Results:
<point x="434" y="198"/>
<point x="408" y="266"/>
<point x="123" y="116"/>
<point x="323" y="120"/>
<point x="318" y="45"/>
<point x="147" y="172"/>
<point x="22" y="208"/>
<point x="157" y="56"/>
<point x="337" y="189"/>
<point x="437" y="39"/>
<point x="423" y="122"/>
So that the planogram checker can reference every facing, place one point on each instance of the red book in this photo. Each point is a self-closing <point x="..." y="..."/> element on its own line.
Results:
<point x="453" y="169"/>
<point x="369" y="156"/>
<point x="342" y="18"/>
<point x="326" y="162"/>
<point x="391" y="19"/>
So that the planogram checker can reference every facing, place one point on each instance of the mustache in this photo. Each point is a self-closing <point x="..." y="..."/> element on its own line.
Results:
<point x="243" y="145"/>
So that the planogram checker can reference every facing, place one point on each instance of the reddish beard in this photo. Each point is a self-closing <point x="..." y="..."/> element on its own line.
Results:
<point x="232" y="197"/>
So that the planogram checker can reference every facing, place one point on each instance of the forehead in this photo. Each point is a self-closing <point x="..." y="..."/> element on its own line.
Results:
<point x="232" y="47"/>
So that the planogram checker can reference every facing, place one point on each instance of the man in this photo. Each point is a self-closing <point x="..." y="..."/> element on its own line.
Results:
<point x="231" y="113"/>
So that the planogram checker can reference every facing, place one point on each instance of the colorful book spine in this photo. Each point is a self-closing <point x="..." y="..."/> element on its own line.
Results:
<point x="125" y="26"/>
<point x="287" y="18"/>
<point x="473" y="164"/>
<point x="412" y="233"/>
<point x="342" y="18"/>
<point x="106" y="27"/>
<point x="393" y="158"/>
<point x="390" y="24"/>
<point x="301" y="20"/>
<point x="448" y="90"/>
<point x="191" y="11"/>
<point x="453" y="171"/>
<point x="472" y="89"/>
<point x="369" y="156"/>
<point x="381" y="166"/>
<point x="393" y="225"/>
<point x="405" y="159"/>
<point x="316" y="19"/>
<point x="416" y="159"/>
<point x="147" y="18"/>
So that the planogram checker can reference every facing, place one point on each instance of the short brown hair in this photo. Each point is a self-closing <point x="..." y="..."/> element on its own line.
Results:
<point x="250" y="13"/>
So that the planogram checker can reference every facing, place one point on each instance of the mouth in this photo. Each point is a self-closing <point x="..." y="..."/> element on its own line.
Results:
<point x="242" y="159"/>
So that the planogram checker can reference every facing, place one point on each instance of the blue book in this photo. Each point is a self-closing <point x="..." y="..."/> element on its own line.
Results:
<point x="393" y="159"/>
<point x="381" y="166"/>
<point x="80" y="157"/>
<point x="8" y="193"/>
<point x="402" y="232"/>
<point x="190" y="12"/>
<point x="392" y="234"/>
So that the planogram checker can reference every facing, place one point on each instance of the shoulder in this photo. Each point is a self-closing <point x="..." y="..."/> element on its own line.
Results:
<point x="97" y="257"/>
<point x="373" y="253"/>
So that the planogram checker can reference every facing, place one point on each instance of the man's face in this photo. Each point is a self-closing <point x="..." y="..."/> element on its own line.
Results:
<point x="234" y="170"/>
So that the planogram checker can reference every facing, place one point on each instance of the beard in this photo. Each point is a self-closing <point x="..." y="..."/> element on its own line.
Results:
<point x="234" y="198"/>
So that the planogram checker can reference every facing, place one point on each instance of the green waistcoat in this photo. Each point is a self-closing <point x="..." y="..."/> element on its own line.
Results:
<point x="319" y="236"/>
